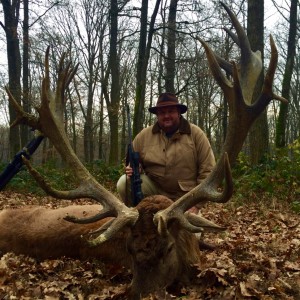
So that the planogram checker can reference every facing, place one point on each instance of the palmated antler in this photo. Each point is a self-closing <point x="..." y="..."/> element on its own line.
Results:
<point x="50" y="123"/>
<point x="241" y="116"/>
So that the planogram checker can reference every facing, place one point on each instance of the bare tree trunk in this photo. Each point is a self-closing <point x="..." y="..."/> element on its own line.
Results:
<point x="171" y="55"/>
<point x="295" y="92"/>
<point x="101" y="119"/>
<point x="25" y="136"/>
<point x="143" y="59"/>
<point x="93" y="18"/>
<point x="124" y="140"/>
<point x="160" y="83"/>
<point x="286" y="85"/>
<point x="11" y="17"/>
<point x="113" y="105"/>
<point x="259" y="133"/>
<point x="73" y="122"/>
<point x="88" y="125"/>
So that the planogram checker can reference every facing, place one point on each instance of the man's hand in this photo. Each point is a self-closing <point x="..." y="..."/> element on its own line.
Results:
<point x="128" y="171"/>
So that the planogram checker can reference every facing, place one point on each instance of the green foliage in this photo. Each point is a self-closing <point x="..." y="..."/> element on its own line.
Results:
<point x="63" y="178"/>
<point x="277" y="178"/>
<point x="295" y="205"/>
<point x="60" y="178"/>
<point x="105" y="174"/>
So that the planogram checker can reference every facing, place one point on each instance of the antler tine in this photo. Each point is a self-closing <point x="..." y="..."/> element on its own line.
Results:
<point x="251" y="63"/>
<point x="233" y="36"/>
<point x="224" y="64"/>
<point x="272" y="65"/>
<point x="206" y="191"/>
<point x="112" y="207"/>
<point x="50" y="123"/>
<point x="66" y="75"/>
<point x="241" y="117"/>
<point x="241" y="38"/>
<point x="22" y="116"/>
<point x="214" y="65"/>
<point x="271" y="72"/>
<point x="46" y="79"/>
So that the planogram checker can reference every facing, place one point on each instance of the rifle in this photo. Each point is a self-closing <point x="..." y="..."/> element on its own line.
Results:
<point x="15" y="165"/>
<point x="134" y="161"/>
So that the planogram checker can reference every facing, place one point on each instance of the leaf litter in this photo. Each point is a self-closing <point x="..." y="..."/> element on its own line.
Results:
<point x="257" y="257"/>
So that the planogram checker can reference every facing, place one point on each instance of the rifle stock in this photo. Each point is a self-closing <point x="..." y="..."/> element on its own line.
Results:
<point x="134" y="161"/>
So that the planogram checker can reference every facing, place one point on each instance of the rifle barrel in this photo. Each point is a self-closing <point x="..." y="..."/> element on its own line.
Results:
<point x="134" y="160"/>
<point x="15" y="165"/>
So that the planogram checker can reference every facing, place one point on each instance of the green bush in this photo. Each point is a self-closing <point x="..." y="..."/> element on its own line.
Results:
<point x="63" y="178"/>
<point x="105" y="174"/>
<point x="278" y="177"/>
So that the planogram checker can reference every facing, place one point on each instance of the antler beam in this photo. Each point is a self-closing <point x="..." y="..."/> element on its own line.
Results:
<point x="50" y="123"/>
<point x="241" y="116"/>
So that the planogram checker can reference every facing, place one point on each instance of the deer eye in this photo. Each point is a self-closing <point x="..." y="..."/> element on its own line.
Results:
<point x="170" y="248"/>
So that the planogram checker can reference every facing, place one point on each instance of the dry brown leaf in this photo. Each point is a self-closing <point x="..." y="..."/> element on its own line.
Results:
<point x="244" y="290"/>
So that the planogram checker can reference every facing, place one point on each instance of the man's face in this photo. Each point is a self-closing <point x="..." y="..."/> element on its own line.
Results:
<point x="168" y="118"/>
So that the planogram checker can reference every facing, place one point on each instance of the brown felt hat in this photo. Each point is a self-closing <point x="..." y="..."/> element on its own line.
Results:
<point x="167" y="99"/>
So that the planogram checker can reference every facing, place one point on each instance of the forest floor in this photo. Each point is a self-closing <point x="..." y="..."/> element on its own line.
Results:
<point x="257" y="257"/>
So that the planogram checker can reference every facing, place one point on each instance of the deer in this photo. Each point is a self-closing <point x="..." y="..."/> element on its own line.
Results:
<point x="157" y="238"/>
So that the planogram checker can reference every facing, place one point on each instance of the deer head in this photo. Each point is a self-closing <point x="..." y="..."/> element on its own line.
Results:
<point x="152" y="246"/>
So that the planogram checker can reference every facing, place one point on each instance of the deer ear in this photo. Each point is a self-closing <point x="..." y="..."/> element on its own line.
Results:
<point x="173" y="227"/>
<point x="169" y="227"/>
<point x="162" y="228"/>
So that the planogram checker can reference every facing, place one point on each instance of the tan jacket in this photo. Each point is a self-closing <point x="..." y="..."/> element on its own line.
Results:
<point x="175" y="164"/>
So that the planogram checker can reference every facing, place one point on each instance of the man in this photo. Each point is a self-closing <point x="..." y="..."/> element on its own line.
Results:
<point x="175" y="155"/>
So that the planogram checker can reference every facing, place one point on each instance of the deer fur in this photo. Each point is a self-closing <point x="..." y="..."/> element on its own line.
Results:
<point x="42" y="233"/>
<point x="156" y="260"/>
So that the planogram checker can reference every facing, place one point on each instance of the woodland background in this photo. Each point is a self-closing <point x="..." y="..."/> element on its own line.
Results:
<point x="128" y="53"/>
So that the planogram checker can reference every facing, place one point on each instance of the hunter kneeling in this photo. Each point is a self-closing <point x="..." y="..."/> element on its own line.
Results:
<point x="175" y="155"/>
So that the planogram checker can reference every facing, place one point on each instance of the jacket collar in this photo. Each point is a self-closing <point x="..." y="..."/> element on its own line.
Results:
<point x="184" y="127"/>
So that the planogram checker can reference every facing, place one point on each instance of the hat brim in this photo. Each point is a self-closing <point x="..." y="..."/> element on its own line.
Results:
<point x="182" y="107"/>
